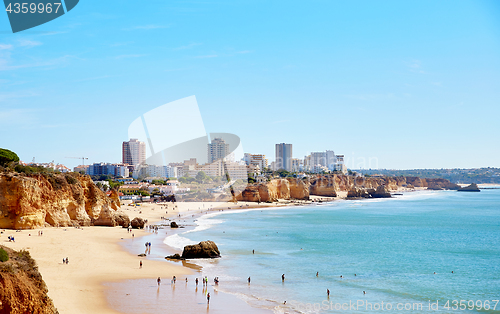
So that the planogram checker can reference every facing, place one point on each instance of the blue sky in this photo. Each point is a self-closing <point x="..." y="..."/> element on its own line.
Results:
<point x="409" y="84"/>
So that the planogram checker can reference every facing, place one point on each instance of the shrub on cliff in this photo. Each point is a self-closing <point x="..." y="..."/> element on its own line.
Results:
<point x="7" y="156"/>
<point x="3" y="255"/>
<point x="70" y="178"/>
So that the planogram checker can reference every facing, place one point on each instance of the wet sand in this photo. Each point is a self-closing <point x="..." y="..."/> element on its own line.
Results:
<point x="96" y="256"/>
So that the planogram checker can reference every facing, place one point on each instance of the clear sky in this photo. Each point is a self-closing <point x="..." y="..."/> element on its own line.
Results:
<point x="409" y="84"/>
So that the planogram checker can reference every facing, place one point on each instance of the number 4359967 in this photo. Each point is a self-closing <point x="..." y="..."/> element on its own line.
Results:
<point x="33" y="7"/>
<point x="471" y="305"/>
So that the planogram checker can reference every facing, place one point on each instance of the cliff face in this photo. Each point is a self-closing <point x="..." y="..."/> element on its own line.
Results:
<point x="28" y="202"/>
<point x="22" y="289"/>
<point x="290" y="188"/>
<point x="329" y="185"/>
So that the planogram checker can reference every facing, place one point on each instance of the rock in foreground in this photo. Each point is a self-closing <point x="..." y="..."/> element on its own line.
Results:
<point x="204" y="249"/>
<point x="138" y="223"/>
<point x="22" y="289"/>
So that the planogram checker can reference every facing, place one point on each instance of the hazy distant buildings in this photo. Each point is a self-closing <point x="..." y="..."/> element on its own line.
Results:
<point x="297" y="165"/>
<point x="217" y="150"/>
<point x="256" y="160"/>
<point x="318" y="162"/>
<point x="133" y="152"/>
<point x="102" y="168"/>
<point x="283" y="157"/>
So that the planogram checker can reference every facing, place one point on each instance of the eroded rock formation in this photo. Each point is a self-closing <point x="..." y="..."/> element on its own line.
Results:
<point x="330" y="185"/>
<point x="470" y="188"/>
<point x="33" y="201"/>
<point x="137" y="223"/>
<point x="22" y="289"/>
<point x="204" y="249"/>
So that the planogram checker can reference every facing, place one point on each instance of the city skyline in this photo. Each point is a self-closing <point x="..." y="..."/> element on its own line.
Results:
<point x="396" y="85"/>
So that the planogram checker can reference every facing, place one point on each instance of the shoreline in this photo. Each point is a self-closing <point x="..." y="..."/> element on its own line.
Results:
<point x="98" y="255"/>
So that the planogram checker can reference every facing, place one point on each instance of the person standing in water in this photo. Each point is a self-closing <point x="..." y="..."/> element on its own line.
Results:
<point x="208" y="297"/>
<point x="283" y="277"/>
<point x="159" y="281"/>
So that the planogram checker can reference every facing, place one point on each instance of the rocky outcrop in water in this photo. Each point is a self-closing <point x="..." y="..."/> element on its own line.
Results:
<point x="470" y="188"/>
<point x="37" y="200"/>
<point x="204" y="249"/>
<point x="22" y="289"/>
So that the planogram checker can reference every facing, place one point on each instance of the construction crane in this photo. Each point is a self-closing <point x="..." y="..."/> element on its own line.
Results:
<point x="82" y="158"/>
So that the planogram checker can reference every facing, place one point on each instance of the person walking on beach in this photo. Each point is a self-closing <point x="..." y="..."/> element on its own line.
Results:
<point x="159" y="281"/>
<point x="208" y="297"/>
<point x="196" y="281"/>
<point x="140" y="264"/>
<point x="248" y="279"/>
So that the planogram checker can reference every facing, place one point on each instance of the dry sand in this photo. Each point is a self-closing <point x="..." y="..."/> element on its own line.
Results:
<point x="96" y="256"/>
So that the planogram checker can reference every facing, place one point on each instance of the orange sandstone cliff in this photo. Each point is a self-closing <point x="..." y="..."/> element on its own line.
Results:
<point x="38" y="200"/>
<point x="22" y="289"/>
<point x="330" y="185"/>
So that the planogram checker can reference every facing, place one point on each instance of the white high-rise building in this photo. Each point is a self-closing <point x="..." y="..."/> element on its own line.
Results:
<point x="256" y="160"/>
<point x="331" y="159"/>
<point x="217" y="150"/>
<point x="297" y="165"/>
<point x="133" y="152"/>
<point x="284" y="156"/>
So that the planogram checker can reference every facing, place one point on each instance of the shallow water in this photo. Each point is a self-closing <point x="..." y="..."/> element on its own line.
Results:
<point x="394" y="246"/>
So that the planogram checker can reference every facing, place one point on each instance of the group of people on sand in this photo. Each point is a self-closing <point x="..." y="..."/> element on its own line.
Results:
<point x="11" y="239"/>
<point x="65" y="260"/>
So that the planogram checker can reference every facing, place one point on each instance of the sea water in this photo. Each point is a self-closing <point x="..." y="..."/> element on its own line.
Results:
<point x="420" y="252"/>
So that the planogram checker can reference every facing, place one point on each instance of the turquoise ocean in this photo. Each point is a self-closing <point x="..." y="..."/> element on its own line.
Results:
<point x="422" y="252"/>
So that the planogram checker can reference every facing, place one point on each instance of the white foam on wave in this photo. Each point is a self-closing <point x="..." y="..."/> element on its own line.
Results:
<point x="177" y="241"/>
<point x="205" y="222"/>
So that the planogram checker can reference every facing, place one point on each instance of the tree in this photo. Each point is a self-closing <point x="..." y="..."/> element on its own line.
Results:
<point x="283" y="173"/>
<point x="7" y="156"/>
<point x="201" y="177"/>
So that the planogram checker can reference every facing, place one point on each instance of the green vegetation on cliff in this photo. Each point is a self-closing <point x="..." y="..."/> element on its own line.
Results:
<point x="22" y="289"/>
<point x="7" y="156"/>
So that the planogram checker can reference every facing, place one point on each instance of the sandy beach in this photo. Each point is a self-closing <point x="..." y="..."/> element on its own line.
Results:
<point x="97" y="256"/>
<point x="102" y="255"/>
